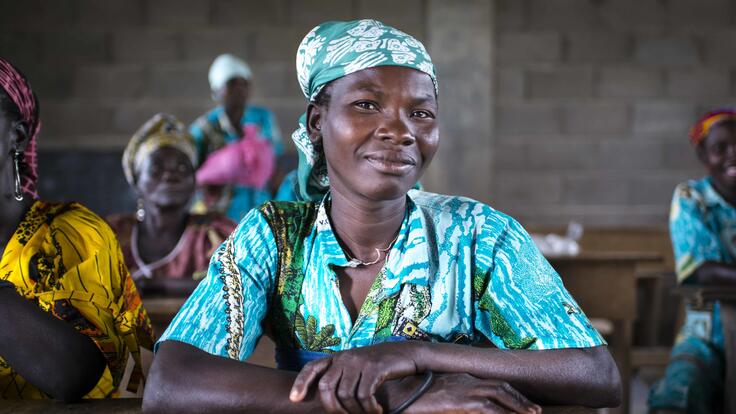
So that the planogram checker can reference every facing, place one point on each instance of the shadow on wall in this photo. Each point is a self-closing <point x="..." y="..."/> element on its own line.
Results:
<point x="92" y="178"/>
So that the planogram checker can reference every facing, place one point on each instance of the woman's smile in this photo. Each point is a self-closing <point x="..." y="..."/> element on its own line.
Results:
<point x="391" y="163"/>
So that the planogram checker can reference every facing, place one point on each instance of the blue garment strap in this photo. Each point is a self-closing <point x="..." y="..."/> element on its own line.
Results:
<point x="290" y="359"/>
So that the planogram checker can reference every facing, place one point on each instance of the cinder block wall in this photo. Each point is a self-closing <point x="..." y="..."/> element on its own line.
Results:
<point x="551" y="109"/>
<point x="102" y="67"/>
<point x="594" y="99"/>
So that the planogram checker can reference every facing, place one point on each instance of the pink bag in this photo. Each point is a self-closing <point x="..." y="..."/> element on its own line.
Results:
<point x="248" y="162"/>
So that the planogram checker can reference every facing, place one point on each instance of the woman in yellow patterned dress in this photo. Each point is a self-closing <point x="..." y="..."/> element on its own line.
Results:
<point x="71" y="320"/>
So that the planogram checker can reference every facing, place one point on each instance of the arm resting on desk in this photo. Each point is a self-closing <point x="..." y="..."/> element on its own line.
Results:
<point x="184" y="379"/>
<point x="714" y="273"/>
<point x="573" y="376"/>
<point x="48" y="352"/>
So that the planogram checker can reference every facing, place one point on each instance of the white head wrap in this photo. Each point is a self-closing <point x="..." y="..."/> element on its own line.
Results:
<point x="226" y="67"/>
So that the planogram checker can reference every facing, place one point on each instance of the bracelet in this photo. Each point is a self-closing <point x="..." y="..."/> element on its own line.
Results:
<point x="428" y="376"/>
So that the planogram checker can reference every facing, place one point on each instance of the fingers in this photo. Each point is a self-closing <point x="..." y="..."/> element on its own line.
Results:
<point x="489" y="407"/>
<point x="327" y="392"/>
<point x="366" y="393"/>
<point x="346" y="391"/>
<point x="508" y="397"/>
<point x="306" y="378"/>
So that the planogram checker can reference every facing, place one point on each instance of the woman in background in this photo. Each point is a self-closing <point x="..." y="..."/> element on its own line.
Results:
<point x="703" y="233"/>
<point x="71" y="320"/>
<point x="166" y="248"/>
<point x="231" y="82"/>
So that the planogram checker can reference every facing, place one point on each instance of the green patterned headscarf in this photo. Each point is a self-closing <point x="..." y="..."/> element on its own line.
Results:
<point x="331" y="51"/>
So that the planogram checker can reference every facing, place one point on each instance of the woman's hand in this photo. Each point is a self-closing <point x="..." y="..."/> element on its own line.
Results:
<point x="463" y="393"/>
<point x="348" y="380"/>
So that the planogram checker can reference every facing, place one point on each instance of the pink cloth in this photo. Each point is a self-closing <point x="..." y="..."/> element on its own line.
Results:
<point x="248" y="162"/>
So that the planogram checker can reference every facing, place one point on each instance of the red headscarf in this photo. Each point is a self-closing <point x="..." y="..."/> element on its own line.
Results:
<point x="19" y="90"/>
<point x="704" y="125"/>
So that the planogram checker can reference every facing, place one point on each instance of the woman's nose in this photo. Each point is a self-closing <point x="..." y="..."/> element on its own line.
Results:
<point x="397" y="130"/>
<point x="170" y="174"/>
<point x="731" y="150"/>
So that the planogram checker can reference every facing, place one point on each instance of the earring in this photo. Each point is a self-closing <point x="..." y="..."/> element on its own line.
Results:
<point x="17" y="156"/>
<point x="140" y="213"/>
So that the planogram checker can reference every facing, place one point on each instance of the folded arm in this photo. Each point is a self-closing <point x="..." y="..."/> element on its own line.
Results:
<point x="46" y="351"/>
<point x="715" y="274"/>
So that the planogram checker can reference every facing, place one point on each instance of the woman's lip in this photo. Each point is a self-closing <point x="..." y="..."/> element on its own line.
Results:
<point x="391" y="158"/>
<point x="390" y="165"/>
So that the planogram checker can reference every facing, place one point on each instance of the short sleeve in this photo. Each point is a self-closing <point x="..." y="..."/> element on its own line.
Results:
<point x="521" y="302"/>
<point x="98" y="297"/>
<point x="224" y="313"/>
<point x="693" y="242"/>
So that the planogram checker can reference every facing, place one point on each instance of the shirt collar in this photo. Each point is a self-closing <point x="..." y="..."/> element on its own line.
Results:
<point x="408" y="260"/>
<point x="711" y="197"/>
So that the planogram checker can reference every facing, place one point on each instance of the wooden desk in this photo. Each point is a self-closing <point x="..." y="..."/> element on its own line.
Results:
<point x="604" y="285"/>
<point x="133" y="406"/>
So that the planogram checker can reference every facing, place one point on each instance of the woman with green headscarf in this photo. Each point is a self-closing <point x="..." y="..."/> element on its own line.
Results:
<point x="381" y="297"/>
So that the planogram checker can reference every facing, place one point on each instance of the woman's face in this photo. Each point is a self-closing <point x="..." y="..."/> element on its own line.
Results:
<point x="235" y="93"/>
<point x="718" y="154"/>
<point x="379" y="131"/>
<point x="166" y="178"/>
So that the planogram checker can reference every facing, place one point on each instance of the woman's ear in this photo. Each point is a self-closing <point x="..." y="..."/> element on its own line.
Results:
<point x="314" y="123"/>
<point x="19" y="136"/>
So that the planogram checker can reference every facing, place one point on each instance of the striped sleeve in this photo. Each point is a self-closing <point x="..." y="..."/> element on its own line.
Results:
<point x="521" y="301"/>
<point x="223" y="315"/>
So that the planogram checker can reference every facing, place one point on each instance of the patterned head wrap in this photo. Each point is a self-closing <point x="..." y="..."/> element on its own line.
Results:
<point x="331" y="51"/>
<point x="162" y="130"/>
<point x="20" y="92"/>
<point x="705" y="124"/>
<point x="226" y="67"/>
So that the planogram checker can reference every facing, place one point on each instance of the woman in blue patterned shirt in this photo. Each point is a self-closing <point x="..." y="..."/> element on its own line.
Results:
<point x="366" y="287"/>
<point x="703" y="233"/>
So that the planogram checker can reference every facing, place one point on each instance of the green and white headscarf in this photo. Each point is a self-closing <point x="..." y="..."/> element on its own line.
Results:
<point x="331" y="51"/>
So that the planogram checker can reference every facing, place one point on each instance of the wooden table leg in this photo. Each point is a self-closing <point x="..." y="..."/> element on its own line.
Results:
<point x="728" y="320"/>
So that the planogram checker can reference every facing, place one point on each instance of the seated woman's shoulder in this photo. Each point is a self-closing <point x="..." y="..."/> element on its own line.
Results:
<point x="692" y="189"/>
<point x="447" y="206"/>
<point x="450" y="203"/>
<point x="73" y="218"/>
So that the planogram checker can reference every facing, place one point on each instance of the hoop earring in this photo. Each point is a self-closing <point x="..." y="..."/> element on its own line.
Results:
<point x="17" y="156"/>
<point x="140" y="213"/>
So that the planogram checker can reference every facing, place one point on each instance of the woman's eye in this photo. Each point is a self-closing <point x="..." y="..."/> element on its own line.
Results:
<point x="422" y="114"/>
<point x="718" y="149"/>
<point x="368" y="106"/>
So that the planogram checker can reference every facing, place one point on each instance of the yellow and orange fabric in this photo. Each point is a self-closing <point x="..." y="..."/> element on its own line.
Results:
<point x="66" y="259"/>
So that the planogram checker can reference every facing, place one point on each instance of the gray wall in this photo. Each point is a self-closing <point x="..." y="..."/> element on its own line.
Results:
<point x="594" y="100"/>
<point x="551" y="110"/>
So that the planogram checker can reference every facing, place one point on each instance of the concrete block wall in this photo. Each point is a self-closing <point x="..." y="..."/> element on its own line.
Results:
<point x="594" y="100"/>
<point x="102" y="67"/>
<point x="557" y="109"/>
